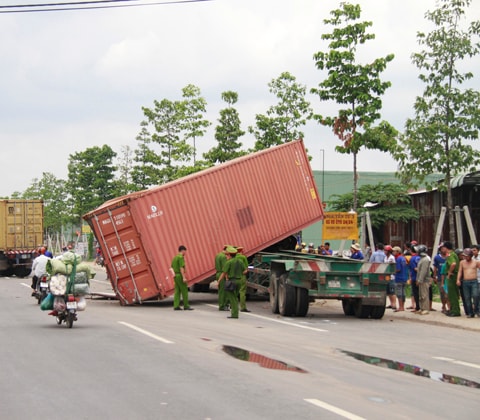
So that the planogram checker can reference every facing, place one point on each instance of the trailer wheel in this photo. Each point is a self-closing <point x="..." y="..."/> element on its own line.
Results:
<point x="378" y="311"/>
<point x="348" y="307"/>
<point x="274" y="293"/>
<point x="286" y="297"/>
<point x="21" y="271"/>
<point x="362" y="311"/>
<point x="302" y="302"/>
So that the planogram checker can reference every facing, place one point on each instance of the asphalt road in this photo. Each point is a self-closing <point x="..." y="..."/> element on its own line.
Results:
<point x="150" y="362"/>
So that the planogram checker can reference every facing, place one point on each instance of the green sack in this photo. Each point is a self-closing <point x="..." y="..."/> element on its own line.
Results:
<point x="47" y="303"/>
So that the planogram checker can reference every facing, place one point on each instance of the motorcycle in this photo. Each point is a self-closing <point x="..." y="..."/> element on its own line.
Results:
<point x="65" y="307"/>
<point x="41" y="289"/>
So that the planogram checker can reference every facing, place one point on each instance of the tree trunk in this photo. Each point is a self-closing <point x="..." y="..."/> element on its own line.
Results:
<point x="355" y="182"/>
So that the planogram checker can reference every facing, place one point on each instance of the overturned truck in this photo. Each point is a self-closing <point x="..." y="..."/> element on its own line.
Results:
<point x="255" y="201"/>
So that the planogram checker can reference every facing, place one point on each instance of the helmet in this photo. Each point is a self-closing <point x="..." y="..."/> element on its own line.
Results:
<point x="388" y="248"/>
<point x="459" y="251"/>
<point x="42" y="250"/>
<point x="468" y="252"/>
<point x="48" y="254"/>
<point x="420" y="249"/>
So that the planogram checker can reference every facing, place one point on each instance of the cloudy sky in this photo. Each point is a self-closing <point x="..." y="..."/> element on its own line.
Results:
<point x="76" y="79"/>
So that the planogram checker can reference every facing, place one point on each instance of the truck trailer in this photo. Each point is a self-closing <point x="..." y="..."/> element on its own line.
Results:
<point x="293" y="279"/>
<point x="254" y="201"/>
<point x="21" y="233"/>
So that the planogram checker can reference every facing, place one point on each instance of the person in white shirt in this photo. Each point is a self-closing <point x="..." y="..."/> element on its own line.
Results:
<point x="39" y="268"/>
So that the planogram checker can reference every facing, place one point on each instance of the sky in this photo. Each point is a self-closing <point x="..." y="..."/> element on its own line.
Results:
<point x="71" y="80"/>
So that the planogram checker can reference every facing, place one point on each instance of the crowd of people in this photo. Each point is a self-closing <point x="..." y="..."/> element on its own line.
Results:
<point x="455" y="272"/>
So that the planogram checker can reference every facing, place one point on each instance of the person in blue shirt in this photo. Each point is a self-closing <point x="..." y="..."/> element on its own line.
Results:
<point x="401" y="277"/>
<point x="356" y="252"/>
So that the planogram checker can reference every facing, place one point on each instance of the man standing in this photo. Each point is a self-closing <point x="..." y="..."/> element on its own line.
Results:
<point x="220" y="260"/>
<point x="423" y="279"/>
<point x="233" y="271"/>
<point x="390" y="259"/>
<point x="452" y="263"/>
<point x="180" y="279"/>
<point x="243" y="280"/>
<point x="468" y="273"/>
<point x="379" y="255"/>
<point x="401" y="276"/>
<point x="438" y="262"/>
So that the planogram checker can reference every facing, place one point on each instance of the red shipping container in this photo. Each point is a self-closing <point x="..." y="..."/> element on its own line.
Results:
<point x="254" y="201"/>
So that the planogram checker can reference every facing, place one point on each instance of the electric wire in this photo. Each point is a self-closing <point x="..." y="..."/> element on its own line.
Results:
<point x="53" y="7"/>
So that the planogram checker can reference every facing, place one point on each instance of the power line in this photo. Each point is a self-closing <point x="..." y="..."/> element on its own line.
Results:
<point x="54" y="7"/>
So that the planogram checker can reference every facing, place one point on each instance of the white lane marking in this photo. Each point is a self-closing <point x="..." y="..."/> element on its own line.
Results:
<point x="147" y="333"/>
<point x="334" y="409"/>
<point x="457" y="362"/>
<point x="26" y="285"/>
<point x="279" y="321"/>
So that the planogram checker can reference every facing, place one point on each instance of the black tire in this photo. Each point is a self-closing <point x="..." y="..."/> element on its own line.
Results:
<point x="21" y="271"/>
<point x="362" y="311"/>
<point x="378" y="311"/>
<point x="286" y="297"/>
<point x="274" y="293"/>
<point x="41" y="297"/>
<point x="348" y="307"/>
<point x="59" y="319"/>
<point x="302" y="302"/>
<point x="70" y="319"/>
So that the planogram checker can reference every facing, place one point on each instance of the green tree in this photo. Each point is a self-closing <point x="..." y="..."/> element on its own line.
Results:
<point x="53" y="192"/>
<point x="91" y="178"/>
<point x="356" y="86"/>
<point x="391" y="203"/>
<point x="283" y="120"/>
<point x="193" y="108"/>
<point x="227" y="133"/>
<point x="446" y="115"/>
<point x="125" y="164"/>
<point x="146" y="170"/>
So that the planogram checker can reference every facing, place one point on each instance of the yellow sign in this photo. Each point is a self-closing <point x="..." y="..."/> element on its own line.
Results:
<point x="338" y="225"/>
<point x="86" y="229"/>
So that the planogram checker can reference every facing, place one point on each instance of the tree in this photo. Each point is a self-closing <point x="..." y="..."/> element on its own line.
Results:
<point x="283" y="120"/>
<point x="193" y="124"/>
<point x="125" y="183"/>
<point x="392" y="203"/>
<point x="446" y="115"/>
<point x="91" y="176"/>
<point x="52" y="191"/>
<point x="146" y="168"/>
<point x="227" y="133"/>
<point x="357" y="86"/>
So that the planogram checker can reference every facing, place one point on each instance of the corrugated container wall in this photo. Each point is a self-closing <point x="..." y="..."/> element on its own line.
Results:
<point x="253" y="201"/>
<point x="21" y="224"/>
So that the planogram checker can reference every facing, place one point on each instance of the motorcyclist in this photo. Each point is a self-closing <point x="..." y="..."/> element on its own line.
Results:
<point x="39" y="268"/>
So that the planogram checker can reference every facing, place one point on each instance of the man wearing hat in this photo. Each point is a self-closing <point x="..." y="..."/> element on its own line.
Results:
<point x="243" y="281"/>
<point x="233" y="271"/>
<point x="356" y="252"/>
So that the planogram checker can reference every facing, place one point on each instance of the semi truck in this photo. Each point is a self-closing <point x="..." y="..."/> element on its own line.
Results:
<point x="293" y="279"/>
<point x="255" y="201"/>
<point x="21" y="233"/>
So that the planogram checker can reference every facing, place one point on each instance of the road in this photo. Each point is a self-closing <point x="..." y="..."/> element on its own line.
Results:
<point x="150" y="362"/>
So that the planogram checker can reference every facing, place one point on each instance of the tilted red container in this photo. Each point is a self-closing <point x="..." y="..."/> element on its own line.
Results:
<point x="254" y="201"/>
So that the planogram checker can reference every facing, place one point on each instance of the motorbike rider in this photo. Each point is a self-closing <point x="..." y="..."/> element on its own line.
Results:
<point x="39" y="268"/>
